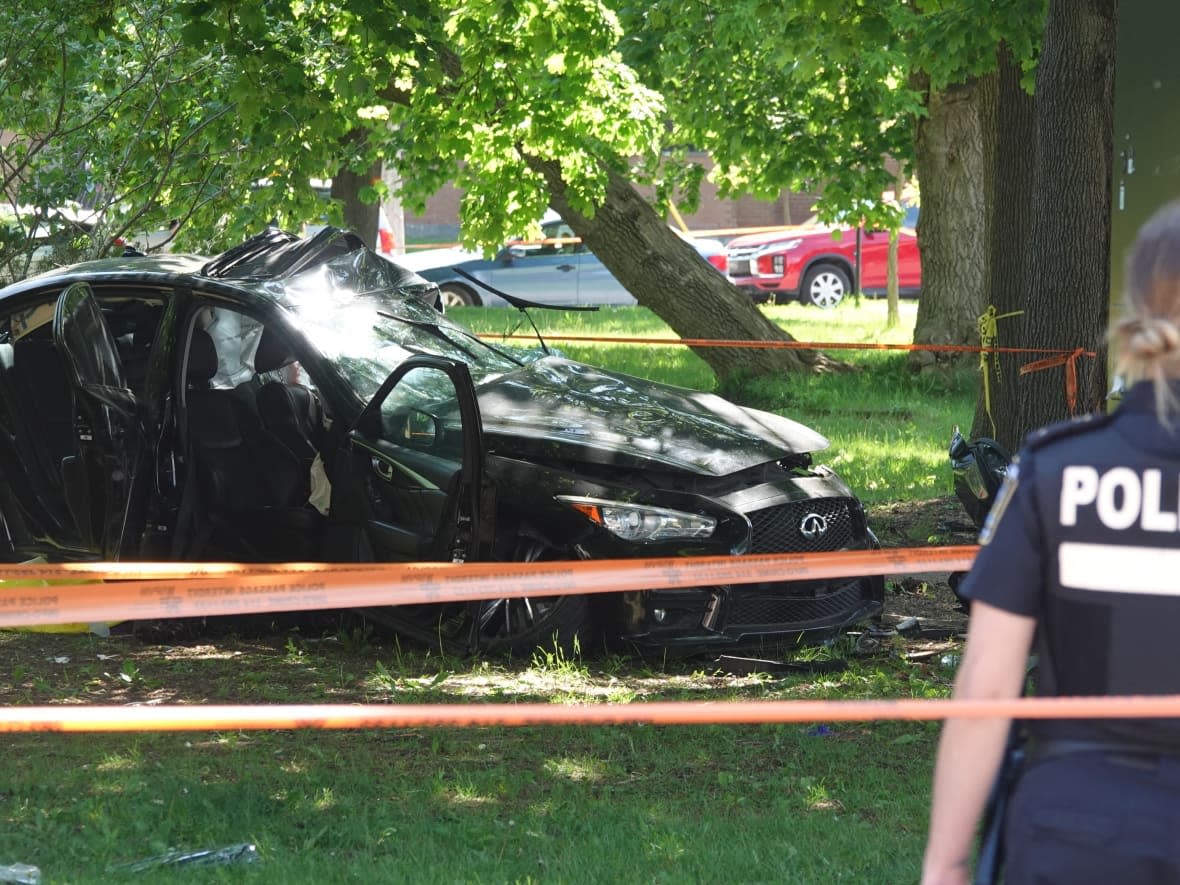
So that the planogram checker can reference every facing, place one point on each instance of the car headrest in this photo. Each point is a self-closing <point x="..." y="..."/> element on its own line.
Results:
<point x="272" y="352"/>
<point x="202" y="358"/>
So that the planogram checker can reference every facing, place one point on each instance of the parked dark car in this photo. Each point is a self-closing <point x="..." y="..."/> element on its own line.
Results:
<point x="294" y="400"/>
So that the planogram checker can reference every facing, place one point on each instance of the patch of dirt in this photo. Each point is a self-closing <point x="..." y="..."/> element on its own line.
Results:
<point x="940" y="522"/>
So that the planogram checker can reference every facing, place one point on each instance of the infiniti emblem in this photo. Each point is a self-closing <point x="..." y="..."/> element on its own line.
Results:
<point x="812" y="526"/>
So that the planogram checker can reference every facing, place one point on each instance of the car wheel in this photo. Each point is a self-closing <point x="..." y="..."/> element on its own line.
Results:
<point x="454" y="295"/>
<point x="527" y="624"/>
<point x="825" y="286"/>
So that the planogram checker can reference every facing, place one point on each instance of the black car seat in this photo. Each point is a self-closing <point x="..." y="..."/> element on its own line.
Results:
<point x="290" y="411"/>
<point x="251" y="490"/>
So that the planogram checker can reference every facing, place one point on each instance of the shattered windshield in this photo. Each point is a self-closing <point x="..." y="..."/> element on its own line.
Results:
<point x="368" y="327"/>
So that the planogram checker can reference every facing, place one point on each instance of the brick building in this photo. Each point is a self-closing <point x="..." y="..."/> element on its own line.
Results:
<point x="440" y="222"/>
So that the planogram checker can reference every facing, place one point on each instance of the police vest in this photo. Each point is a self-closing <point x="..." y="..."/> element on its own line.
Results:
<point x="1111" y="607"/>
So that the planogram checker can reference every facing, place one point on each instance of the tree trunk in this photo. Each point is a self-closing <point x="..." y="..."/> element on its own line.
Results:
<point x="1068" y="268"/>
<point x="1008" y="126"/>
<point x="666" y="274"/>
<point x="949" y="163"/>
<point x="360" y="218"/>
<point x="893" y="309"/>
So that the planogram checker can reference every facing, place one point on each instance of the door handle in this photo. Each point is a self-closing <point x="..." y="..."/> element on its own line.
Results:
<point x="565" y="267"/>
<point x="383" y="469"/>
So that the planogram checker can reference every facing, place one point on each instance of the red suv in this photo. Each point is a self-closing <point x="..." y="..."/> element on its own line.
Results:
<point x="816" y="263"/>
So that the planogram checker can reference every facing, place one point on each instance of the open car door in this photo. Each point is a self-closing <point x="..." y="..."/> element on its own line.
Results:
<point x="406" y="486"/>
<point x="98" y="475"/>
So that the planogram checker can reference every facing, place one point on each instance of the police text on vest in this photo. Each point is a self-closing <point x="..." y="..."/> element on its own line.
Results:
<point x="1120" y="496"/>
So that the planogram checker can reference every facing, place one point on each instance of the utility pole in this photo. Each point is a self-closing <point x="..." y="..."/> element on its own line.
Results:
<point x="392" y="204"/>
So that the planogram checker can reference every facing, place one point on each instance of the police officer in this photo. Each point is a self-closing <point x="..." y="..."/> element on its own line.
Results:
<point x="1082" y="550"/>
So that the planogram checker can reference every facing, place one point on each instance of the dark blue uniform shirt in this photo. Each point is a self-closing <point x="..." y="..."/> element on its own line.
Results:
<point x="1084" y="536"/>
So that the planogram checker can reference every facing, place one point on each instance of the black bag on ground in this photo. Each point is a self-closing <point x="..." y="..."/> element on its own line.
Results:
<point x="979" y="467"/>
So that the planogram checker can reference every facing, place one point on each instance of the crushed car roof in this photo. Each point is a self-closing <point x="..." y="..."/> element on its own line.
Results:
<point x="266" y="257"/>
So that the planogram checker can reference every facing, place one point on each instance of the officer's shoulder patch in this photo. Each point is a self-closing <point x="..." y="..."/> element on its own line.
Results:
<point x="1000" y="505"/>
<point x="1064" y="429"/>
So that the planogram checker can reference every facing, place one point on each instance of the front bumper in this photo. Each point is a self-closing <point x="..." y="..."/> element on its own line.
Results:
<point x="736" y="616"/>
<point x="741" y="615"/>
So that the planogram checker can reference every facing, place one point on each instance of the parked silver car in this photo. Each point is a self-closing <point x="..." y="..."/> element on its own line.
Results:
<point x="557" y="269"/>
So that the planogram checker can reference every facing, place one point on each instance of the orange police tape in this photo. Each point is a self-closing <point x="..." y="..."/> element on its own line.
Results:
<point x="217" y="717"/>
<point x="193" y="589"/>
<point x="181" y="590"/>
<point x="1066" y="358"/>
<point x="1059" y="355"/>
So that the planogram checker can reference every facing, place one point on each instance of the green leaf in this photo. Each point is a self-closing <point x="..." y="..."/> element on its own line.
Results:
<point x="199" y="32"/>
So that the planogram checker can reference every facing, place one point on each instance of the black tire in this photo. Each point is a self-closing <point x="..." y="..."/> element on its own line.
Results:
<point x="455" y="295"/>
<point x="825" y="286"/>
<point x="537" y="623"/>
<point x="550" y="624"/>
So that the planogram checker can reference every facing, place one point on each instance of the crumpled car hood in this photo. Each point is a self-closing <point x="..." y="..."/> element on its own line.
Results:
<point x="569" y="410"/>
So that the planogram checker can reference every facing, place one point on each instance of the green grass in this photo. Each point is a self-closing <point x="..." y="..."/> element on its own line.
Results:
<point x="806" y="803"/>
<point x="777" y="803"/>
<point x="888" y="426"/>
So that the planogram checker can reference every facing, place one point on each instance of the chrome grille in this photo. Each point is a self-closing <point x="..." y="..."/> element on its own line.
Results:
<point x="779" y="529"/>
<point x="741" y="261"/>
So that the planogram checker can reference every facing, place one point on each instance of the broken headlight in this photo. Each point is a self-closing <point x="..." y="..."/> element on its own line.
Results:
<point x="637" y="522"/>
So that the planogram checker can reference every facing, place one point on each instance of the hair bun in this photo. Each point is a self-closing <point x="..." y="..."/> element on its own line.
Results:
<point x="1151" y="337"/>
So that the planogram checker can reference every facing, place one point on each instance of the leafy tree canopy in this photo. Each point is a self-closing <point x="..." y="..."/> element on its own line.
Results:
<point x="813" y="94"/>
<point x="107" y="111"/>
<point x="456" y="92"/>
<point x="181" y="111"/>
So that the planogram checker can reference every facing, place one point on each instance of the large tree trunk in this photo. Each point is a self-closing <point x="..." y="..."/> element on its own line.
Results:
<point x="949" y="163"/>
<point x="361" y="218"/>
<point x="665" y="274"/>
<point x="1008" y="126"/>
<point x="1068" y="279"/>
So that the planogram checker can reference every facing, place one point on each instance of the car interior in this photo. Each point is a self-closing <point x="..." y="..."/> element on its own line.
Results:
<point x="234" y="457"/>
<point x="250" y="449"/>
<point x="133" y="323"/>
<point x="38" y="408"/>
<point x="42" y="454"/>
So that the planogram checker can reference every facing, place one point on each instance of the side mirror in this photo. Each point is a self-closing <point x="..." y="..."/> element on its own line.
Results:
<point x="413" y="429"/>
<point x="421" y="430"/>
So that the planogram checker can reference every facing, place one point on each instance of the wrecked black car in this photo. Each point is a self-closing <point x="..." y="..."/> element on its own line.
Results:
<point x="295" y="400"/>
